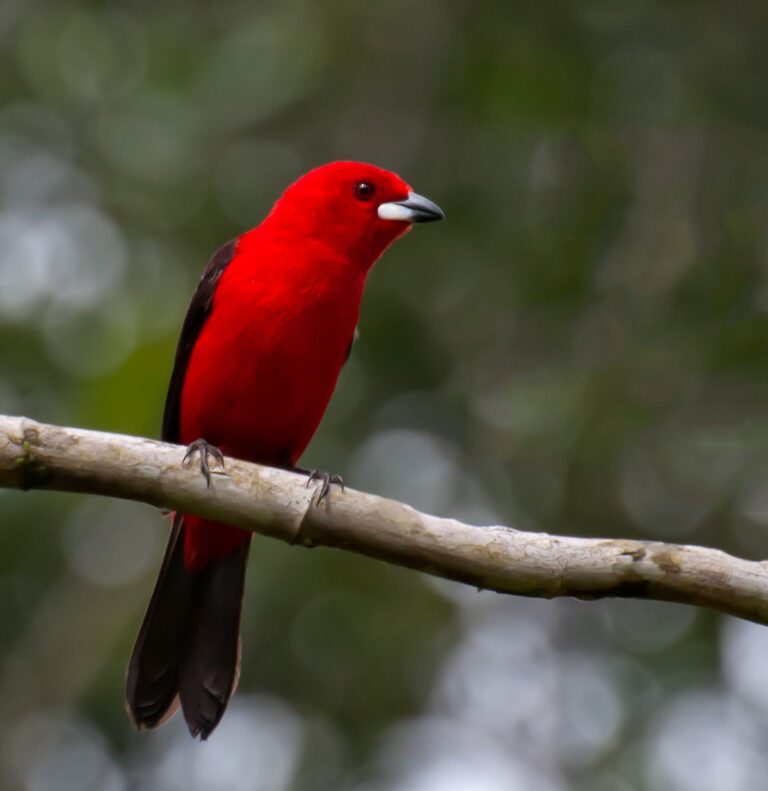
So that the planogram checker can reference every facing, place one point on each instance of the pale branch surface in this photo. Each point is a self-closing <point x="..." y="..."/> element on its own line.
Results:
<point x="277" y="503"/>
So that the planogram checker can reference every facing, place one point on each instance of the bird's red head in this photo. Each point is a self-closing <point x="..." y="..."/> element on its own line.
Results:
<point x="356" y="208"/>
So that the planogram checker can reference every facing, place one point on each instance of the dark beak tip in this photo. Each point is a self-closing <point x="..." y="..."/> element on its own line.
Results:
<point x="435" y="217"/>
<point x="424" y="210"/>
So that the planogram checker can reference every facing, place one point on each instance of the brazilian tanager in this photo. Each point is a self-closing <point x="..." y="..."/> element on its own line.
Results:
<point x="266" y="334"/>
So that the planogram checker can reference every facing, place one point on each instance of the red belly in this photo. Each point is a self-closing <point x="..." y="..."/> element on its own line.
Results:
<point x="258" y="382"/>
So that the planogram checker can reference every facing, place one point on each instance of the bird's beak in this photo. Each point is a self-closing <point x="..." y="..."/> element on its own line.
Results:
<point x="415" y="208"/>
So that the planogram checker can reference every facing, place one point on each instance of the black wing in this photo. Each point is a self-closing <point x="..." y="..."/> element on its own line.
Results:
<point x="197" y="313"/>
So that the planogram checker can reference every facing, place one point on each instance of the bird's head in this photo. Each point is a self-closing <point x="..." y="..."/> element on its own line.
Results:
<point x="357" y="208"/>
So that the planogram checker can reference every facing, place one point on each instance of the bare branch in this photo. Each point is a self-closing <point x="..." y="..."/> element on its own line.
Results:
<point x="277" y="503"/>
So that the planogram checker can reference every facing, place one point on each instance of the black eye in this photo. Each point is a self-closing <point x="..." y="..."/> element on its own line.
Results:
<point x="364" y="190"/>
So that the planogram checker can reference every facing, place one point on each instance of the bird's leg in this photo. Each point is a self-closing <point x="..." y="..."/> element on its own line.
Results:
<point x="204" y="449"/>
<point x="325" y="481"/>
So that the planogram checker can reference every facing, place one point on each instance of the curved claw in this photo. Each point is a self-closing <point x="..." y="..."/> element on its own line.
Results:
<point x="323" y="491"/>
<point x="204" y="449"/>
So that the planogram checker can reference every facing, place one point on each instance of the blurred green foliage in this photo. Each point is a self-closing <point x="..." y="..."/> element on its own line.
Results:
<point x="582" y="347"/>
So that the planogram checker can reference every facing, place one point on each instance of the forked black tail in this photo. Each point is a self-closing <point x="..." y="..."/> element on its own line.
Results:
<point x="187" y="651"/>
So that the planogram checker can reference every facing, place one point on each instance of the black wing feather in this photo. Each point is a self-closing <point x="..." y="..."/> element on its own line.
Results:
<point x="197" y="313"/>
<point x="151" y="683"/>
<point x="187" y="648"/>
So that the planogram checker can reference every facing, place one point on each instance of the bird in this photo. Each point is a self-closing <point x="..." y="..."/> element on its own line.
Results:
<point x="266" y="334"/>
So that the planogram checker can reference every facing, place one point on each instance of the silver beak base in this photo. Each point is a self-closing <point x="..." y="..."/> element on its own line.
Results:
<point x="415" y="208"/>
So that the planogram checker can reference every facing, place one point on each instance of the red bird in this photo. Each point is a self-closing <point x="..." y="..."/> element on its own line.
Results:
<point x="266" y="334"/>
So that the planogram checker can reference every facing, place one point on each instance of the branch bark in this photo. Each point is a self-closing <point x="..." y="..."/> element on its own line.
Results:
<point x="278" y="504"/>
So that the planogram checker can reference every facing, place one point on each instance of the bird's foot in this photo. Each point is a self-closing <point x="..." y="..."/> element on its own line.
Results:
<point x="325" y="481"/>
<point x="204" y="449"/>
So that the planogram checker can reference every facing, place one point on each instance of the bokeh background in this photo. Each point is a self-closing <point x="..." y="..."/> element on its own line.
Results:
<point x="582" y="347"/>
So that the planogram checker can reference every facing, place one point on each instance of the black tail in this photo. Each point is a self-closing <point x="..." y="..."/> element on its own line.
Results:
<point x="187" y="650"/>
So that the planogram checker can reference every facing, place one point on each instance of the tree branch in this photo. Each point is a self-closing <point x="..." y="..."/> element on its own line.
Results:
<point x="277" y="503"/>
